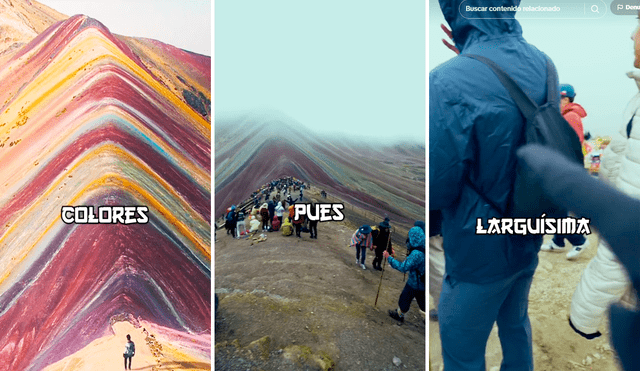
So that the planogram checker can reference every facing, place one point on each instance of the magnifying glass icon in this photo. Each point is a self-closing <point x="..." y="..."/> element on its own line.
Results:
<point x="594" y="8"/>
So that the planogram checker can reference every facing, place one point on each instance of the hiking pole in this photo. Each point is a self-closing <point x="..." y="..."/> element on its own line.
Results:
<point x="383" y="265"/>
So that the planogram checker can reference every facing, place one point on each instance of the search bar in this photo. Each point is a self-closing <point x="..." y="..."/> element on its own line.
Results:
<point x="538" y="10"/>
<point x="621" y="7"/>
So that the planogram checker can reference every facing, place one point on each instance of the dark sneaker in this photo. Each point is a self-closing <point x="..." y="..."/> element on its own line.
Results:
<point x="394" y="314"/>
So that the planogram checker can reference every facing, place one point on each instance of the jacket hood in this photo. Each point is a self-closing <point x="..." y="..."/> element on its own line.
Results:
<point x="574" y="107"/>
<point x="468" y="29"/>
<point x="416" y="237"/>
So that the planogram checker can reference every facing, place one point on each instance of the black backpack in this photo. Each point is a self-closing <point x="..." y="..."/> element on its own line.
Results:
<point x="545" y="126"/>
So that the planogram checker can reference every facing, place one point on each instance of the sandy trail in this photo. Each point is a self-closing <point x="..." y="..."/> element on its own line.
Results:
<point x="555" y="346"/>
<point x="105" y="354"/>
<point x="303" y="304"/>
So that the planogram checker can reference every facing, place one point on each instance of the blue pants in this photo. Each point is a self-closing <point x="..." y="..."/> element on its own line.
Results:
<point x="574" y="239"/>
<point x="467" y="313"/>
<point x="361" y="253"/>
<point x="408" y="293"/>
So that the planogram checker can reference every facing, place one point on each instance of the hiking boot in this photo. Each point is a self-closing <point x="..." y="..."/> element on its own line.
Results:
<point x="577" y="250"/>
<point x="551" y="246"/>
<point x="363" y="267"/>
<point x="394" y="314"/>
<point x="433" y="315"/>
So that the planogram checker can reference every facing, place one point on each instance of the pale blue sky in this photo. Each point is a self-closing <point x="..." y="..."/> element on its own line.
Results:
<point x="591" y="54"/>
<point x="185" y="24"/>
<point x="353" y="67"/>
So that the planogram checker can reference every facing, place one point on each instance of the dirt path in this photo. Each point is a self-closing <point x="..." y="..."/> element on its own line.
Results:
<point x="555" y="346"/>
<point x="291" y="303"/>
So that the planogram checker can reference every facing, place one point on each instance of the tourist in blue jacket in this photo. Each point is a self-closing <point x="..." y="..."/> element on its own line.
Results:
<point x="415" y="265"/>
<point x="475" y="129"/>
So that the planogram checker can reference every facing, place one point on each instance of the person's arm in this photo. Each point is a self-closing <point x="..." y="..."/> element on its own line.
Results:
<point x="407" y="265"/>
<point x="612" y="156"/>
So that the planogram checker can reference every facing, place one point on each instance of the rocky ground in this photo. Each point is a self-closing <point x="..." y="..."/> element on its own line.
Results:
<point x="556" y="347"/>
<point x="289" y="303"/>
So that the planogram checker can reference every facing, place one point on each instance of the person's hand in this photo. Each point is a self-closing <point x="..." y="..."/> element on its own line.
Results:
<point x="385" y="254"/>
<point x="450" y="35"/>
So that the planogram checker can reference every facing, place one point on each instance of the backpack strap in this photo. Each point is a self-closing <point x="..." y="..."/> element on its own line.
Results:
<point x="484" y="198"/>
<point x="526" y="105"/>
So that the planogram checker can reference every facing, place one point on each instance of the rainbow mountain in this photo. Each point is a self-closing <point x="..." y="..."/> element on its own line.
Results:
<point x="88" y="118"/>
<point x="254" y="148"/>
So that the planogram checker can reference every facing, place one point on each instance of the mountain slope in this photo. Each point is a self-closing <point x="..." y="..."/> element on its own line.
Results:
<point x="84" y="121"/>
<point x="254" y="149"/>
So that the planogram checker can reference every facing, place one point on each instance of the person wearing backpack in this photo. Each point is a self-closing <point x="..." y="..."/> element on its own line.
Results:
<point x="381" y="242"/>
<point x="573" y="113"/>
<point x="241" y="226"/>
<point x="414" y="264"/>
<point x="362" y="240"/>
<point x="475" y="128"/>
<point x="297" y="223"/>
<point x="231" y="220"/>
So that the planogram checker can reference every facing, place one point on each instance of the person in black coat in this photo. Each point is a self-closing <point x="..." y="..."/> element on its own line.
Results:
<point x="382" y="242"/>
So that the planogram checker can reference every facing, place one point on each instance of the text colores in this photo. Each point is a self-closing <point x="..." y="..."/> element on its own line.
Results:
<point x="105" y="215"/>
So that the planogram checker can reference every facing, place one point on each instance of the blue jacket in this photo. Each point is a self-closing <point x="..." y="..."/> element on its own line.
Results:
<point x="474" y="131"/>
<point x="414" y="264"/>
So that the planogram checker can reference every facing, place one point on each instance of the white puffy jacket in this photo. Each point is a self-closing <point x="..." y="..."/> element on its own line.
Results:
<point x="605" y="281"/>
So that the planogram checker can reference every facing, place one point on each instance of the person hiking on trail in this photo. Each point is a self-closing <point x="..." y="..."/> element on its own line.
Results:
<point x="415" y="265"/>
<point x="279" y="211"/>
<point x="382" y="242"/>
<point x="292" y="211"/>
<point x="573" y="113"/>
<point x="362" y="240"/>
<point x="313" y="224"/>
<point x="474" y="130"/>
<point x="272" y="209"/>
<point x="230" y="221"/>
<point x="605" y="280"/>
<point x="241" y="226"/>
<point x="264" y="215"/>
<point x="129" y="352"/>
<point x="298" y="224"/>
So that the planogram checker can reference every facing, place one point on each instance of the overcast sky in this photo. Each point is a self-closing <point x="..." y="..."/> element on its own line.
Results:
<point x="185" y="24"/>
<point x="355" y="67"/>
<point x="591" y="52"/>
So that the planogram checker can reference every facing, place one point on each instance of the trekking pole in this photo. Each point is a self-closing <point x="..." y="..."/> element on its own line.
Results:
<point x="384" y="264"/>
